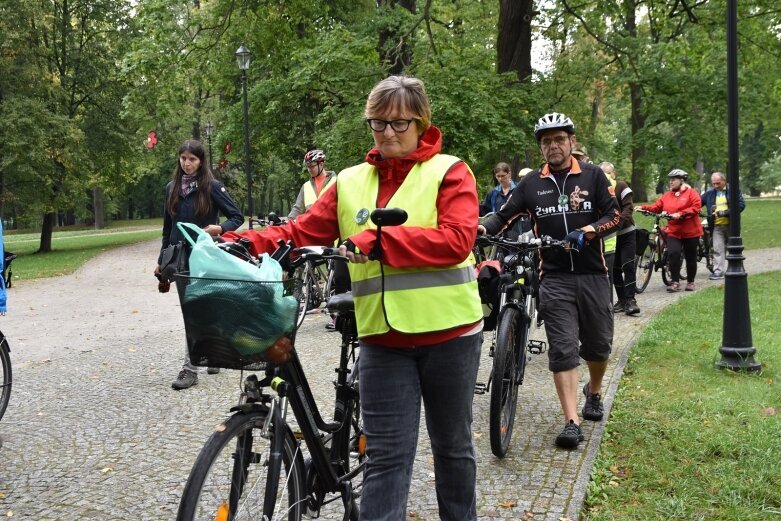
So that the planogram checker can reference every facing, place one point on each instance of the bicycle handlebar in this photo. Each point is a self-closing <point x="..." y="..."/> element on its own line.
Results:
<point x="315" y="253"/>
<point x="536" y="243"/>
<point x="661" y="215"/>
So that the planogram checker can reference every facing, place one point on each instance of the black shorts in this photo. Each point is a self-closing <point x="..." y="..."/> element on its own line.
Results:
<point x="578" y="318"/>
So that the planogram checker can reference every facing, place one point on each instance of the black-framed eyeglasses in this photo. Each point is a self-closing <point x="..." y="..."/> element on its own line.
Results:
<point x="398" y="125"/>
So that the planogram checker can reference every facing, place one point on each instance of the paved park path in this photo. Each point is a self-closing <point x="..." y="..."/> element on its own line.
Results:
<point x="94" y="431"/>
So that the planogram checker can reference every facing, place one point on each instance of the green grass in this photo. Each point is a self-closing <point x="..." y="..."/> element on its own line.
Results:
<point x="687" y="441"/>
<point x="73" y="247"/>
<point x="760" y="223"/>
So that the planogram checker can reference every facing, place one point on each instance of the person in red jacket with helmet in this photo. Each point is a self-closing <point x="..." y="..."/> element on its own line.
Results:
<point x="682" y="204"/>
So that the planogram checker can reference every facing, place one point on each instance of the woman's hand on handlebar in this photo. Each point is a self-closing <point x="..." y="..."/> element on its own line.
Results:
<point x="481" y="230"/>
<point x="347" y="249"/>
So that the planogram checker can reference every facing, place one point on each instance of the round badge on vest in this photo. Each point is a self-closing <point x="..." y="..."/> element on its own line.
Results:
<point x="362" y="216"/>
<point x="563" y="200"/>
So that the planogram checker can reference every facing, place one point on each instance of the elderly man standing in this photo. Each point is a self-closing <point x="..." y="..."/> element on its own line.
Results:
<point x="716" y="203"/>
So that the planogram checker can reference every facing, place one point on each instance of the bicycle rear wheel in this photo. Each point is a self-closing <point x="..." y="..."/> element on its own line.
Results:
<point x="645" y="267"/>
<point x="507" y="374"/>
<point x="5" y="374"/>
<point x="302" y="292"/>
<point x="228" y="479"/>
<point x="705" y="250"/>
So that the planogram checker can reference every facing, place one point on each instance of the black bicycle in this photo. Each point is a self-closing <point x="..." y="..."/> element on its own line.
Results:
<point x="517" y="291"/>
<point x="652" y="256"/>
<point x="254" y="465"/>
<point x="5" y="374"/>
<point x="8" y="275"/>
<point x="705" y="244"/>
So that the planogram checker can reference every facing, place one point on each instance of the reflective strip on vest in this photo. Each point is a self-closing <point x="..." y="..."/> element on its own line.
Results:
<point x="412" y="298"/>
<point x="414" y="279"/>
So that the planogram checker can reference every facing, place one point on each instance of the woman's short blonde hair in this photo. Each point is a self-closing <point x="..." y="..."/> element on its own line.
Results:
<point x="401" y="93"/>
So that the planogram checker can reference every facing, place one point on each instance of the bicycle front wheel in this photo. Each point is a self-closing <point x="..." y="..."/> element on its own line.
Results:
<point x="667" y="274"/>
<point x="645" y="267"/>
<point x="508" y="368"/>
<point x="228" y="479"/>
<point x="5" y="374"/>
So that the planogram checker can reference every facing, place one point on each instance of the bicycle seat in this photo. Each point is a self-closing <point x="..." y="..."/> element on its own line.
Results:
<point x="341" y="303"/>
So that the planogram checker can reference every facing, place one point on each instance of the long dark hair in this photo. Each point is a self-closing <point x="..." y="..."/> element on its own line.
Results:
<point x="204" y="177"/>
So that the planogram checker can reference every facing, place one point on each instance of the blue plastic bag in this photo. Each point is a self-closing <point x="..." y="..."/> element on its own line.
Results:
<point x="209" y="261"/>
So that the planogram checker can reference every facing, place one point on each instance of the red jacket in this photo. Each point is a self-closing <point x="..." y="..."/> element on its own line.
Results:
<point x="685" y="201"/>
<point x="402" y="246"/>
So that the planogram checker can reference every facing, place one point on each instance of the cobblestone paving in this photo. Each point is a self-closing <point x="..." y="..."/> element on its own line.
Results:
<point x="94" y="430"/>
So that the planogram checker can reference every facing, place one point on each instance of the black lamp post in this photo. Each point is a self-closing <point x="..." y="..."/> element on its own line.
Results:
<point x="243" y="59"/>
<point x="737" y="352"/>
<point x="209" y="128"/>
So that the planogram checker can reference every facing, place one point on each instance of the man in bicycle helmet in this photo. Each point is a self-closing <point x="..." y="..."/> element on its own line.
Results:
<point x="574" y="201"/>
<point x="320" y="180"/>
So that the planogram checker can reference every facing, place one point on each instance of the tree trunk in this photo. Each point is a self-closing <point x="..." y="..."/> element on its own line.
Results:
<point x="637" y="115"/>
<point x="638" y="151"/>
<point x="46" y="232"/>
<point x="97" y="205"/>
<point x="395" y="51"/>
<point x="514" y="42"/>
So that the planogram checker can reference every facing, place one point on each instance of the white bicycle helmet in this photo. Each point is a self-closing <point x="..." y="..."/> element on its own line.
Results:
<point x="677" y="172"/>
<point x="314" y="156"/>
<point x="553" y="121"/>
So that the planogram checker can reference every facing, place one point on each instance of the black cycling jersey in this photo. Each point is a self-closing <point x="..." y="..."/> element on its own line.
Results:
<point x="582" y="197"/>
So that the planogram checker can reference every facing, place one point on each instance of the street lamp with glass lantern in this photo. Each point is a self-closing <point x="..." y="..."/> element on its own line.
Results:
<point x="209" y="128"/>
<point x="243" y="56"/>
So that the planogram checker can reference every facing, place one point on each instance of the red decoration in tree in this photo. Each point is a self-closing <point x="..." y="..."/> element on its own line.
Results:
<point x="151" y="140"/>
<point x="227" y="147"/>
<point x="223" y="164"/>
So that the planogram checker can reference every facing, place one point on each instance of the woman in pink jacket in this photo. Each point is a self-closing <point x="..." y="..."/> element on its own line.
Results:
<point x="682" y="204"/>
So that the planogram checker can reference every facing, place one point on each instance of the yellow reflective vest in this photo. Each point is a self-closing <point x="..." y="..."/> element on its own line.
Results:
<point x="407" y="300"/>
<point x="610" y="240"/>
<point x="309" y="191"/>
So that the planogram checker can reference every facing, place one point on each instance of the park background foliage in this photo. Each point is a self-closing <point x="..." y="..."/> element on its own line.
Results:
<point x="84" y="82"/>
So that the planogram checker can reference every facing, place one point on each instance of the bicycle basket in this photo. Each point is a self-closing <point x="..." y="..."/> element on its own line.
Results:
<point x="641" y="238"/>
<point x="231" y="323"/>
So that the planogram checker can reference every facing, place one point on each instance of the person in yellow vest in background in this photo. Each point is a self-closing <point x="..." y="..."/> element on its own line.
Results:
<point x="418" y="310"/>
<point x="624" y="259"/>
<point x="716" y="203"/>
<point x="314" y="161"/>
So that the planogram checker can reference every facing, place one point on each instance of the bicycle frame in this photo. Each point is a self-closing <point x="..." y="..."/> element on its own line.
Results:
<point x="329" y="471"/>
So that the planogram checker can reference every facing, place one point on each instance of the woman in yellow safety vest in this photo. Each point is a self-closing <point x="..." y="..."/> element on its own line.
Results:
<point x="419" y="315"/>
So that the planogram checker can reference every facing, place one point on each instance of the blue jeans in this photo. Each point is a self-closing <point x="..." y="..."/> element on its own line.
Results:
<point x="392" y="382"/>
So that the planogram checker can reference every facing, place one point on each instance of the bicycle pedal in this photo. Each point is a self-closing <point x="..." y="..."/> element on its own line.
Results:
<point x="537" y="347"/>
<point x="481" y="388"/>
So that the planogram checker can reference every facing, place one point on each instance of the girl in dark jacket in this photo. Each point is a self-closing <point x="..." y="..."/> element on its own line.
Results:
<point x="194" y="196"/>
